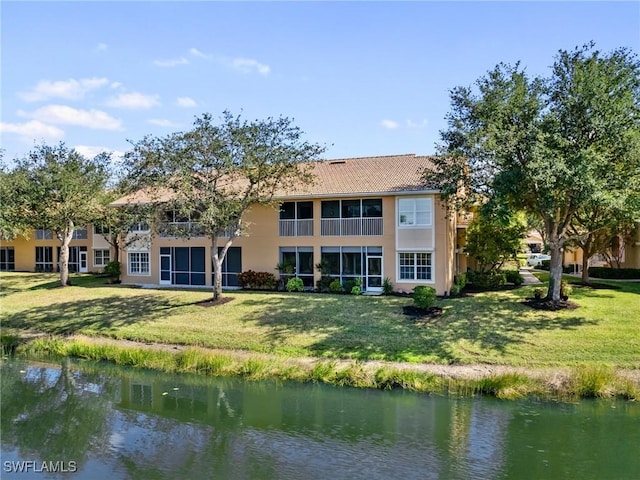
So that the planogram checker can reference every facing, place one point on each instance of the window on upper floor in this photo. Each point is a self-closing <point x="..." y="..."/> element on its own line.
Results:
<point x="360" y="208"/>
<point x="415" y="212"/>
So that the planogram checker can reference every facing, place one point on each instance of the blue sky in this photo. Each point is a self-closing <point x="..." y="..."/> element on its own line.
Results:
<point x="361" y="78"/>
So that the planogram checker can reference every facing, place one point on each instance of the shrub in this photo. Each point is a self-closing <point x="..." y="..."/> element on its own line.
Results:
<point x="324" y="284"/>
<point x="614" y="273"/>
<point x="348" y="285"/>
<point x="565" y="289"/>
<point x="357" y="288"/>
<point x="486" y="280"/>
<point x="513" y="276"/>
<point x="335" y="286"/>
<point x="423" y="296"/>
<point x="257" y="280"/>
<point x="455" y="290"/>
<point x="112" y="269"/>
<point x="538" y="293"/>
<point x="545" y="265"/>
<point x="295" y="285"/>
<point x="387" y="286"/>
<point x="460" y="280"/>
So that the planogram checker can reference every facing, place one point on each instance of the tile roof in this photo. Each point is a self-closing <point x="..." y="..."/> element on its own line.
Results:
<point x="366" y="175"/>
<point x="342" y="177"/>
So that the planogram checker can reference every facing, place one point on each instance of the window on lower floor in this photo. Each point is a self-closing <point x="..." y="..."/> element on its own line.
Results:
<point x="138" y="263"/>
<point x="44" y="259"/>
<point x="101" y="257"/>
<point x="415" y="266"/>
<point x="298" y="262"/>
<point x="231" y="267"/>
<point x="7" y="259"/>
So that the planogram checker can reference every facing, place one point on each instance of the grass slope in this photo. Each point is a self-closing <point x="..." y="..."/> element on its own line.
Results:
<point x="492" y="327"/>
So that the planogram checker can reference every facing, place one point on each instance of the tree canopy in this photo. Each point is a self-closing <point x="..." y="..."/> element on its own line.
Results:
<point x="214" y="173"/>
<point x="549" y="146"/>
<point x="58" y="189"/>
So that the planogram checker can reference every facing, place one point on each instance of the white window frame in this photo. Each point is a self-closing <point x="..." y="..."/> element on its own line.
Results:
<point x="139" y="273"/>
<point x="95" y="257"/>
<point x="412" y="211"/>
<point x="136" y="227"/>
<point x="430" y="263"/>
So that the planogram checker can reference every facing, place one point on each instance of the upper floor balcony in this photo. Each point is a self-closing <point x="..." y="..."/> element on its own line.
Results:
<point x="342" y="227"/>
<point x="296" y="228"/>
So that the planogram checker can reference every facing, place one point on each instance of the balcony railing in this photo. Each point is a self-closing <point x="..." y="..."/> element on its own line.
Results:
<point x="345" y="227"/>
<point x="179" y="229"/>
<point x="296" y="228"/>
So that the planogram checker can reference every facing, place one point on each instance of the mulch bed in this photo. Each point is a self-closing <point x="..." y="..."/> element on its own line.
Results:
<point x="418" y="314"/>
<point x="549" y="305"/>
<point x="214" y="303"/>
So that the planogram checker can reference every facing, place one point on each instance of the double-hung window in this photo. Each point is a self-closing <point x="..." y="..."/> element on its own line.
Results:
<point x="138" y="263"/>
<point x="415" y="266"/>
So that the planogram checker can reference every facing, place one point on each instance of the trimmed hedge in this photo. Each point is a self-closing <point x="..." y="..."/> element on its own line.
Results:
<point x="257" y="280"/>
<point x="486" y="280"/>
<point x="615" y="273"/>
<point x="513" y="276"/>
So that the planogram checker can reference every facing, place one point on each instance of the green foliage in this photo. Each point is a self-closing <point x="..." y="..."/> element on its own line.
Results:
<point x="335" y="286"/>
<point x="423" y="296"/>
<point x="615" y="273"/>
<point x="565" y="289"/>
<point x="513" y="276"/>
<point x="495" y="236"/>
<point x="538" y="293"/>
<point x="387" y="286"/>
<point x="554" y="147"/>
<point x="295" y="285"/>
<point x="486" y="280"/>
<point x="112" y="269"/>
<point x="216" y="172"/>
<point x="59" y="190"/>
<point x="324" y="284"/>
<point x="257" y="280"/>
<point x="357" y="287"/>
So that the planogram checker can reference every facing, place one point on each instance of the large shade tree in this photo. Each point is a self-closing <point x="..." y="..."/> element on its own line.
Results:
<point x="546" y="145"/>
<point x="58" y="189"/>
<point x="215" y="172"/>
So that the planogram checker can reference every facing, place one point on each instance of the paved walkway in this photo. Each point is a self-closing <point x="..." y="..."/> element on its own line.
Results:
<point x="529" y="278"/>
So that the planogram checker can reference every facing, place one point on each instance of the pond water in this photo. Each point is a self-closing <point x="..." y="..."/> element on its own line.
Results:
<point x="80" y="420"/>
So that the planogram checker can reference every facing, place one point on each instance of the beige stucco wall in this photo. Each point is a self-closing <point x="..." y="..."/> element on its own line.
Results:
<point x="260" y="246"/>
<point x="25" y="250"/>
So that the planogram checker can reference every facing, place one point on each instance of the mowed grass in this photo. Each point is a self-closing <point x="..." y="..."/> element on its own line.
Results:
<point x="492" y="327"/>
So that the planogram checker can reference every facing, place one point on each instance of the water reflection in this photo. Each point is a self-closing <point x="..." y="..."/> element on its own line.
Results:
<point x="125" y="424"/>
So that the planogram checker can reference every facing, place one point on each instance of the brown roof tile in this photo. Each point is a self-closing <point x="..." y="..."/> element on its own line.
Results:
<point x="366" y="175"/>
<point x="341" y="177"/>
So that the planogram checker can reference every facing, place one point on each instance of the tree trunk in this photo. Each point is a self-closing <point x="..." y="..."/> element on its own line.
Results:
<point x="65" y="240"/>
<point x="555" y="270"/>
<point x="585" y="262"/>
<point x="217" y="265"/>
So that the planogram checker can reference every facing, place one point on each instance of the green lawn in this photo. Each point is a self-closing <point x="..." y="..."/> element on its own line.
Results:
<point x="489" y="327"/>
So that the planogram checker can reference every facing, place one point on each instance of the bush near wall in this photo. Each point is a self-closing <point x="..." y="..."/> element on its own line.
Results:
<point x="486" y="280"/>
<point x="257" y="280"/>
<point x="615" y="273"/>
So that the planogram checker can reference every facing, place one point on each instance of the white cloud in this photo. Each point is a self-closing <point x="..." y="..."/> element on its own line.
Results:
<point x="65" y="115"/>
<point x="249" y="65"/>
<point x="389" y="124"/>
<point x="133" y="100"/>
<point x="185" y="102"/>
<point x="90" y="151"/>
<point x="162" y="122"/>
<point x="116" y="85"/>
<point x="34" y="129"/>
<point x="197" y="53"/>
<point x="71" y="89"/>
<point x="171" y="62"/>
<point x="102" y="47"/>
<point x="421" y="124"/>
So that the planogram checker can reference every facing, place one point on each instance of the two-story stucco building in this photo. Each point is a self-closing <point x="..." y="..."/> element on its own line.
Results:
<point x="370" y="218"/>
